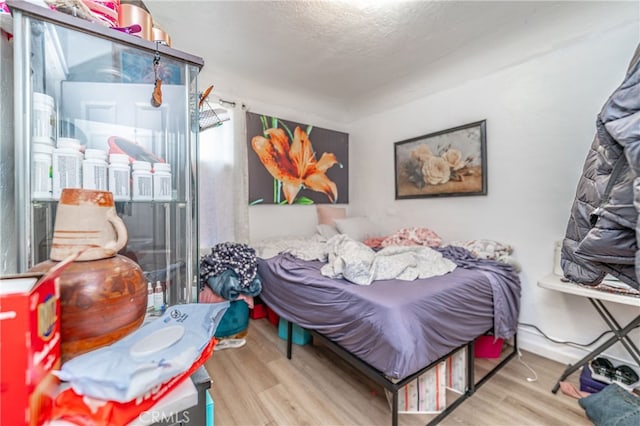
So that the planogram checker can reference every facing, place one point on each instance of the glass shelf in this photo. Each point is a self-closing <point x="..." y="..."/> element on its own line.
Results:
<point x="91" y="85"/>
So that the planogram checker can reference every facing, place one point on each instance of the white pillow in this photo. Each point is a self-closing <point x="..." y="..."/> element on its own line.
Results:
<point x="359" y="228"/>
<point x="326" y="231"/>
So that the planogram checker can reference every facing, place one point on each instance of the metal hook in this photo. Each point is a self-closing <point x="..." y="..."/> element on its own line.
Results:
<point x="156" y="56"/>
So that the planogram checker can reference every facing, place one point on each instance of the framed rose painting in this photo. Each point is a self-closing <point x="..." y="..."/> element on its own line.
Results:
<point x="450" y="162"/>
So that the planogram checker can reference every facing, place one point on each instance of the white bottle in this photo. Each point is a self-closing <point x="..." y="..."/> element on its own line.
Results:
<point x="162" y="190"/>
<point x="119" y="175"/>
<point x="94" y="169"/>
<point x="142" y="181"/>
<point x="67" y="165"/>
<point x="158" y="298"/>
<point x="150" y="298"/>
<point x="41" y="170"/>
<point x="44" y="116"/>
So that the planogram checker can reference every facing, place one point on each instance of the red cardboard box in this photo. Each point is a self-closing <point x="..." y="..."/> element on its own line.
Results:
<point x="29" y="346"/>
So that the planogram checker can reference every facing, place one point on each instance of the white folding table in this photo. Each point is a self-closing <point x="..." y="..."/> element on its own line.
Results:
<point x="596" y="297"/>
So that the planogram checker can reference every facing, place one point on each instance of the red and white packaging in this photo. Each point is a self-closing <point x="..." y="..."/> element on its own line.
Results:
<point x="29" y="345"/>
<point x="426" y="394"/>
<point x="457" y="371"/>
<point x="85" y="411"/>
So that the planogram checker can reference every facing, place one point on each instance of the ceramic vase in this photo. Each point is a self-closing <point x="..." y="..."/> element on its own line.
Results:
<point x="101" y="301"/>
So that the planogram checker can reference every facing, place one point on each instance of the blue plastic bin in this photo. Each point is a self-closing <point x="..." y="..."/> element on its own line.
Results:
<point x="210" y="418"/>
<point x="300" y="336"/>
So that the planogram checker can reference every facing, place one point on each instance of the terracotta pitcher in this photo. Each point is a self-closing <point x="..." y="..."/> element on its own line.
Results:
<point x="87" y="220"/>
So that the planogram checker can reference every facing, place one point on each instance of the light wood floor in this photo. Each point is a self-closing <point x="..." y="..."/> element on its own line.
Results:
<point x="257" y="385"/>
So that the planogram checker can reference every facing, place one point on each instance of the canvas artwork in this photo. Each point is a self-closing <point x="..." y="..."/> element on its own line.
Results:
<point x="295" y="163"/>
<point x="445" y="163"/>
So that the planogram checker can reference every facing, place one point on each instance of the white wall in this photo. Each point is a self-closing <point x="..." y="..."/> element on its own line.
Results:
<point x="540" y="122"/>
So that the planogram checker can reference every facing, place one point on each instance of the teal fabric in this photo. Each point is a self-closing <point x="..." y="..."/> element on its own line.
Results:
<point x="234" y="320"/>
<point x="612" y="406"/>
<point x="227" y="284"/>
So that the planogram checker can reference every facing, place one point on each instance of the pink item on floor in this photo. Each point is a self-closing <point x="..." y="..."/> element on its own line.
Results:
<point x="487" y="347"/>
<point x="568" y="389"/>
<point x="208" y="296"/>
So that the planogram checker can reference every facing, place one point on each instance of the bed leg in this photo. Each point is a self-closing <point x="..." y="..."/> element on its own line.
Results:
<point x="394" y="408"/>
<point x="289" y="338"/>
<point x="471" y="380"/>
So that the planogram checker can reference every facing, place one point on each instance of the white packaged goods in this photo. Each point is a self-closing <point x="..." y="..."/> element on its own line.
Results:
<point x="457" y="371"/>
<point x="94" y="170"/>
<point x="67" y="165"/>
<point x="41" y="170"/>
<point x="142" y="181"/>
<point x="44" y="116"/>
<point x="426" y="394"/>
<point x="119" y="175"/>
<point x="162" y="181"/>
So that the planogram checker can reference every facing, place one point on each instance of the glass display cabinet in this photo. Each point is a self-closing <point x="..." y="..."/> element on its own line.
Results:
<point x="88" y="115"/>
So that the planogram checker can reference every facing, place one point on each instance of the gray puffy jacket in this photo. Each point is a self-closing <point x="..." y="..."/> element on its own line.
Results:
<point x="603" y="231"/>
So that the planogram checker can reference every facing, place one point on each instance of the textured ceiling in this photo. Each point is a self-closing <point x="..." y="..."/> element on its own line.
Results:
<point x="345" y="51"/>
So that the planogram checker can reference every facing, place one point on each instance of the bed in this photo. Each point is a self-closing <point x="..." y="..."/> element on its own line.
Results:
<point x="394" y="330"/>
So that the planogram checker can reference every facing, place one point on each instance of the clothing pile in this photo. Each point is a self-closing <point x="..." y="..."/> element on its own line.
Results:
<point x="409" y="236"/>
<point x="231" y="272"/>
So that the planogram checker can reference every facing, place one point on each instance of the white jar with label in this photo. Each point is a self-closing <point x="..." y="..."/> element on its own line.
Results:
<point x="119" y="177"/>
<point x="94" y="169"/>
<point x="162" y="190"/>
<point x="67" y="166"/>
<point x="41" y="171"/>
<point x="142" y="189"/>
<point x="44" y="116"/>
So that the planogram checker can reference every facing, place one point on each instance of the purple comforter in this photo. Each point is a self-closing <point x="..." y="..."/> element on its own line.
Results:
<point x="397" y="327"/>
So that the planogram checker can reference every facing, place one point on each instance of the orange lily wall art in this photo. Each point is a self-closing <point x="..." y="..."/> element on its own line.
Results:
<point x="294" y="163"/>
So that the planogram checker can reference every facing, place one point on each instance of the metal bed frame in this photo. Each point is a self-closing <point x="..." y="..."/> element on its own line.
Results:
<point x="378" y="377"/>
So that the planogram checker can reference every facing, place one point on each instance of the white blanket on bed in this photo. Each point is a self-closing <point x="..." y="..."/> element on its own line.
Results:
<point x="305" y="248"/>
<point x="361" y="265"/>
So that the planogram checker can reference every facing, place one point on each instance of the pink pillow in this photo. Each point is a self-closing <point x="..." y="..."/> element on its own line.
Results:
<point x="413" y="237"/>
<point x="328" y="214"/>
